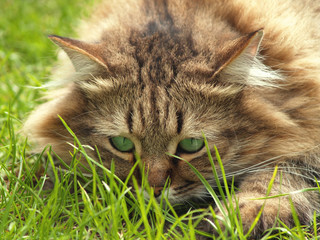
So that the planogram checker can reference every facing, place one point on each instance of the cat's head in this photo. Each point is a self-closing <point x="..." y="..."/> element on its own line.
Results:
<point x="155" y="95"/>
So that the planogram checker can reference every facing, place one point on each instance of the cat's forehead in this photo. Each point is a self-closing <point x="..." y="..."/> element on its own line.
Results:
<point x="156" y="53"/>
<point x="157" y="114"/>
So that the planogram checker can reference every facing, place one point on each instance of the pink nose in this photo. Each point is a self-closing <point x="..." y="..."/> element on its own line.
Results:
<point x="157" y="179"/>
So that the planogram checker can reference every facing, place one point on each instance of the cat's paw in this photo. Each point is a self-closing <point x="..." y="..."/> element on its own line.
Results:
<point x="248" y="208"/>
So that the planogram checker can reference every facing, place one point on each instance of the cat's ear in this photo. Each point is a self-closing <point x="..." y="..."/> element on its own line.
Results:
<point x="239" y="62"/>
<point x="82" y="55"/>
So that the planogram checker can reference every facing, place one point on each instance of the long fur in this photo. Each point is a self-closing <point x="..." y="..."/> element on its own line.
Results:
<point x="160" y="71"/>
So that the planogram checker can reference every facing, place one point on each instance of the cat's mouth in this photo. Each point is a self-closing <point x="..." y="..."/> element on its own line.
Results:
<point x="174" y="195"/>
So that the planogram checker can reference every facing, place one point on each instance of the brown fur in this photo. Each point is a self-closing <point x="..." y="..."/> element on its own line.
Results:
<point x="159" y="71"/>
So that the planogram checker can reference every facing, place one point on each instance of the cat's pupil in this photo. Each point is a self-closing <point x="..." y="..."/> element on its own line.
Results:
<point x="190" y="145"/>
<point x="122" y="144"/>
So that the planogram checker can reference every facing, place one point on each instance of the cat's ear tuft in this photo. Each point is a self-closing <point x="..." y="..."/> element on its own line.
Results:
<point x="84" y="56"/>
<point x="240" y="62"/>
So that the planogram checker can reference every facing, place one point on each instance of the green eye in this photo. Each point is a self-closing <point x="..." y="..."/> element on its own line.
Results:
<point x="191" y="145"/>
<point x="122" y="144"/>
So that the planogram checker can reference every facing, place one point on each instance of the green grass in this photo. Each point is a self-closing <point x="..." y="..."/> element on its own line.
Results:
<point x="101" y="207"/>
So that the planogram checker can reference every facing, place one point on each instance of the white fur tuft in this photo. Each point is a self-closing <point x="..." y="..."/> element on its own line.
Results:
<point x="66" y="73"/>
<point x="251" y="71"/>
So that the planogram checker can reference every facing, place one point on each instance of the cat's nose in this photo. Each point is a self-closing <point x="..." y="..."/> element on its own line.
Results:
<point x="157" y="191"/>
<point x="157" y="177"/>
<point x="159" y="173"/>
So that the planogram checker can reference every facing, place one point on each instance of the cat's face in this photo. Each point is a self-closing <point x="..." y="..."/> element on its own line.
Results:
<point x="155" y="96"/>
<point x="156" y="122"/>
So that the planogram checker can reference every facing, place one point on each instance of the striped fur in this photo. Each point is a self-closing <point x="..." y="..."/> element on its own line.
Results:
<point x="158" y="71"/>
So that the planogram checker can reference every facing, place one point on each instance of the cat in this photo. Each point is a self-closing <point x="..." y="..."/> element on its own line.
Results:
<point x="152" y="76"/>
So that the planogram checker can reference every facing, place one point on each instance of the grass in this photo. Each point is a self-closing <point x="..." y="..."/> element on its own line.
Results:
<point x="77" y="207"/>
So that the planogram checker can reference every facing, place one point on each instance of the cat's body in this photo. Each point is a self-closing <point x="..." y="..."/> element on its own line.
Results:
<point x="158" y="72"/>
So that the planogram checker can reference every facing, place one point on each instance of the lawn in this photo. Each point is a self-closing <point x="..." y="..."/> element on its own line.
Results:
<point x="101" y="207"/>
